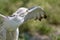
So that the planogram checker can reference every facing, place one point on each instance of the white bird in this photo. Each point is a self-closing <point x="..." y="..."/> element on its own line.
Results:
<point x="11" y="23"/>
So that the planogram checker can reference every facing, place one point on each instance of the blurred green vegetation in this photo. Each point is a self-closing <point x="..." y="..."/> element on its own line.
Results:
<point x="51" y="7"/>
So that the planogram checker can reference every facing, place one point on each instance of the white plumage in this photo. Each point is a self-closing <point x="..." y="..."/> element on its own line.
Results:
<point x="11" y="23"/>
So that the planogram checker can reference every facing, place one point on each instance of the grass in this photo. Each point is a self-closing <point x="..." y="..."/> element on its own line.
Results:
<point x="44" y="28"/>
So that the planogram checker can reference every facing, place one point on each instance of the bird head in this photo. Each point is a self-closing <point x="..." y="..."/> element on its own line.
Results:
<point x="21" y="12"/>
